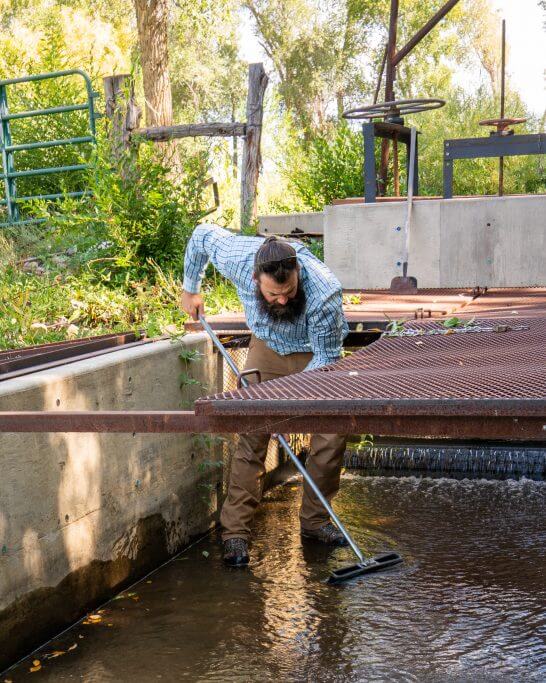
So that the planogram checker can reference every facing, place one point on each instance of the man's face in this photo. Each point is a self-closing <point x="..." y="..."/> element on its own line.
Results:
<point x="281" y="301"/>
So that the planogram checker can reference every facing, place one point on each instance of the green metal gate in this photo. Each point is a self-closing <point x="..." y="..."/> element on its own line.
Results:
<point x="8" y="149"/>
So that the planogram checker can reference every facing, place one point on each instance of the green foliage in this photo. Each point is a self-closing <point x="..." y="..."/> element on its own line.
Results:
<point x="327" y="167"/>
<point x="207" y="75"/>
<point x="39" y="37"/>
<point x="188" y="355"/>
<point x="208" y="465"/>
<point x="395" y="326"/>
<point x="455" y="322"/>
<point x="136" y="219"/>
<point x="53" y="307"/>
<point x="317" y="49"/>
<point x="316" y="247"/>
<point x="80" y="303"/>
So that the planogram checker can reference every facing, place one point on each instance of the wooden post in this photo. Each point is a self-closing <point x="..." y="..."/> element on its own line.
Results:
<point x="122" y="111"/>
<point x="257" y="83"/>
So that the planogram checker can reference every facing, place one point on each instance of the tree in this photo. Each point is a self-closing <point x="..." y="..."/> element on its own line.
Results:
<point x="153" y="37"/>
<point x="315" y="49"/>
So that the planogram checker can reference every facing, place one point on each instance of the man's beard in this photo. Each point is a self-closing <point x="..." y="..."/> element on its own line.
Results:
<point x="287" y="313"/>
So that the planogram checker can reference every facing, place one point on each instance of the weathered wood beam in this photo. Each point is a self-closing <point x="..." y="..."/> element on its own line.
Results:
<point x="122" y="111"/>
<point x="191" y="130"/>
<point x="257" y="83"/>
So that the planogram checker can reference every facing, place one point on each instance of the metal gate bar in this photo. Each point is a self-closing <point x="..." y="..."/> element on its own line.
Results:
<point x="8" y="149"/>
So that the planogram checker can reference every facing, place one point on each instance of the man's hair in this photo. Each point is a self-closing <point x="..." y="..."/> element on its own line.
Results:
<point x="276" y="258"/>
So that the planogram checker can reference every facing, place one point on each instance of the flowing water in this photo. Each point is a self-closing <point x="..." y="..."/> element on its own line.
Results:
<point x="468" y="604"/>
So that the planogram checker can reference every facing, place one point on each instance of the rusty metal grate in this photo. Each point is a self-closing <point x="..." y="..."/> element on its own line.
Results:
<point x="274" y="457"/>
<point x="478" y="365"/>
<point x="17" y="362"/>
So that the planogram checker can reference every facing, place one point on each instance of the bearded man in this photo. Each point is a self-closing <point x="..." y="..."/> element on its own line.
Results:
<point x="293" y="308"/>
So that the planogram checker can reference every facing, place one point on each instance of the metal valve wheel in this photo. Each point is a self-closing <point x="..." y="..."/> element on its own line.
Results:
<point x="502" y="125"/>
<point x="394" y="109"/>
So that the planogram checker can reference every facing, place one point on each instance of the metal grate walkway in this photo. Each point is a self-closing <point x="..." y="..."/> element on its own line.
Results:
<point x="495" y="368"/>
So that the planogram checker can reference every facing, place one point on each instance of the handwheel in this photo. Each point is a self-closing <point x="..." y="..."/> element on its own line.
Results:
<point x="394" y="109"/>
<point x="502" y="125"/>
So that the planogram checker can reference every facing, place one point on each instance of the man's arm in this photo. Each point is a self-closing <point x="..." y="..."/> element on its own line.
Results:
<point x="327" y="330"/>
<point x="208" y="243"/>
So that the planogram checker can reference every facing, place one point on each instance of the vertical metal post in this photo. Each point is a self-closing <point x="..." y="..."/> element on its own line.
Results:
<point x="415" y="165"/>
<point x="7" y="158"/>
<point x="390" y="77"/>
<point x="448" y="172"/>
<point x="395" y="176"/>
<point x="368" y="133"/>
<point x="380" y="77"/>
<point x="503" y="65"/>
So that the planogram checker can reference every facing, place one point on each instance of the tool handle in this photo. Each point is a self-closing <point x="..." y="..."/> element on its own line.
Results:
<point x="411" y="176"/>
<point x="318" y="493"/>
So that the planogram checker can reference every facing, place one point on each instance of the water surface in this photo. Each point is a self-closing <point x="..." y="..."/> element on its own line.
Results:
<point x="468" y="604"/>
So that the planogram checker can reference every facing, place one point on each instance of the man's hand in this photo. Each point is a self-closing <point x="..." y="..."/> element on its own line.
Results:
<point x="192" y="304"/>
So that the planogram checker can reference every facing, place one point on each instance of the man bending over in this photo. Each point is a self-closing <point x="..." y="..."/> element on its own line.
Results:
<point x="293" y="307"/>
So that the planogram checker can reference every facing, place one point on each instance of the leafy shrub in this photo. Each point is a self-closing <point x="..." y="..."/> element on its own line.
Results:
<point x="134" y="219"/>
<point x="327" y="167"/>
<point x="330" y="165"/>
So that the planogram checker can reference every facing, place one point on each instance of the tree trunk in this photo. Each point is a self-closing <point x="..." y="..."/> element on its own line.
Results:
<point x="153" y="28"/>
<point x="153" y="37"/>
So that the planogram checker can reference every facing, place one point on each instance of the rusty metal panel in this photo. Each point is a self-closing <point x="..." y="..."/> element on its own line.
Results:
<point x="39" y="362"/>
<point x="453" y="373"/>
<point x="503" y="303"/>
<point x="13" y="360"/>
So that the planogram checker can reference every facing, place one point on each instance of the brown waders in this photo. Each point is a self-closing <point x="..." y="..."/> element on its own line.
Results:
<point x="248" y="468"/>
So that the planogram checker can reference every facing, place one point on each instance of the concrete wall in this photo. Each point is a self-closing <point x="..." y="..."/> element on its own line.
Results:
<point x="84" y="514"/>
<point x="284" y="224"/>
<point x="494" y="242"/>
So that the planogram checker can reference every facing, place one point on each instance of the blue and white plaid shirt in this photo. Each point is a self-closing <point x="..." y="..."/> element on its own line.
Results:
<point x="320" y="329"/>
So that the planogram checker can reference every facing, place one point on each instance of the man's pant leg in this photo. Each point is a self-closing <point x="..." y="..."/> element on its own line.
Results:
<point x="248" y="468"/>
<point x="323" y="464"/>
<point x="248" y="463"/>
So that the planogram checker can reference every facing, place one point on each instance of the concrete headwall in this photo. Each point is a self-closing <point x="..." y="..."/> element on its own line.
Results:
<point x="284" y="224"/>
<point x="490" y="241"/>
<point x="84" y="514"/>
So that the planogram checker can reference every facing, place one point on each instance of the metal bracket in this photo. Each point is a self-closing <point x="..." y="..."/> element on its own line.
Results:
<point x="247" y="373"/>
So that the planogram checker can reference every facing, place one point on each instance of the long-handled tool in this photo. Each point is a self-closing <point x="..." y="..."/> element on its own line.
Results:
<point x="363" y="566"/>
<point x="407" y="284"/>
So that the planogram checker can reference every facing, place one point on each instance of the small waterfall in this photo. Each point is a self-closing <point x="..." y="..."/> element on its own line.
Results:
<point x="510" y="461"/>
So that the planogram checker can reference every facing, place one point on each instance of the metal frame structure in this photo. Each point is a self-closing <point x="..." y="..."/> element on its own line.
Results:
<point x="8" y="149"/>
<point x="18" y="362"/>
<point x="386" y="131"/>
<point x="496" y="420"/>
<point x="393" y="57"/>
<point x="494" y="146"/>
<point x="482" y="381"/>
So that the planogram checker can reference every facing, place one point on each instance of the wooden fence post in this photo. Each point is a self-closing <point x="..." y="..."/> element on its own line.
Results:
<point x="123" y="113"/>
<point x="257" y="83"/>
